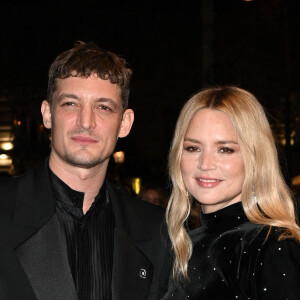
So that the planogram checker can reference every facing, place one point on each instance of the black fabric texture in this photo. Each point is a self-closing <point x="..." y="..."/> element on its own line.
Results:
<point x="89" y="239"/>
<point x="232" y="259"/>
<point x="34" y="259"/>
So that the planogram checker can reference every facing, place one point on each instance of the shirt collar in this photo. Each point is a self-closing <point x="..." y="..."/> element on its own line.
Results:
<point x="72" y="200"/>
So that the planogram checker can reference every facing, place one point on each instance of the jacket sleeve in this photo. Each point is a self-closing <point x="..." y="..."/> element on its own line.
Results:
<point x="277" y="273"/>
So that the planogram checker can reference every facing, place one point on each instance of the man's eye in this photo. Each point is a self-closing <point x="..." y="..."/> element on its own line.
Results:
<point x="226" y="150"/>
<point x="68" y="104"/>
<point x="104" y="107"/>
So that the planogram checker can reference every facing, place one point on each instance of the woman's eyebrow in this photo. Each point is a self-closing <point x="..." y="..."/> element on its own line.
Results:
<point x="221" y="142"/>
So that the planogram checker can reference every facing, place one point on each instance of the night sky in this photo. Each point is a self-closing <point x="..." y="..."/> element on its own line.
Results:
<point x="174" y="47"/>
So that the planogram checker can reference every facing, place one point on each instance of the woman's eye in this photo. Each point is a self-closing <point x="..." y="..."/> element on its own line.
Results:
<point x="226" y="150"/>
<point x="191" y="149"/>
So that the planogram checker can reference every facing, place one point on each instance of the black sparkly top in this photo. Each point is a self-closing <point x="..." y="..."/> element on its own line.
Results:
<point x="232" y="259"/>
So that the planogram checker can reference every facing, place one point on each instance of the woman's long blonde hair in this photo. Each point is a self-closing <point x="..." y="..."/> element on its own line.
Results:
<point x="262" y="171"/>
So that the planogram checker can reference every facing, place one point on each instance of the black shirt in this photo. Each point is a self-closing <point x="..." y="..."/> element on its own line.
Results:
<point x="89" y="239"/>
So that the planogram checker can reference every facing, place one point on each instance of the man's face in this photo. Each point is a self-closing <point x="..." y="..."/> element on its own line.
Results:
<point x="86" y="118"/>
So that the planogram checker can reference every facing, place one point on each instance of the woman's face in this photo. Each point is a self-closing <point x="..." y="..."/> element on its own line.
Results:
<point x="211" y="164"/>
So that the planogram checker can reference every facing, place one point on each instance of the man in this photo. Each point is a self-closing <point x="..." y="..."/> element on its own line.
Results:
<point x="66" y="232"/>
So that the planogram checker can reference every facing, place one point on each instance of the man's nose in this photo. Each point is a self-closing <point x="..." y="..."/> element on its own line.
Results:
<point x="86" y="117"/>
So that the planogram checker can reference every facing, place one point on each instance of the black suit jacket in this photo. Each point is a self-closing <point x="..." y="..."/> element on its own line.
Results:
<point x="33" y="258"/>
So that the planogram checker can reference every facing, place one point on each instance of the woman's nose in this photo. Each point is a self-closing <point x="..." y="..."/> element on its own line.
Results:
<point x="207" y="161"/>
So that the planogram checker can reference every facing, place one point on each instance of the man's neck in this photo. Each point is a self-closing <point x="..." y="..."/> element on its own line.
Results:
<point x="89" y="181"/>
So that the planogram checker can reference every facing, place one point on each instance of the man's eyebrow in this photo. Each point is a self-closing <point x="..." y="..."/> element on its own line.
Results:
<point x="74" y="96"/>
<point x="66" y="95"/>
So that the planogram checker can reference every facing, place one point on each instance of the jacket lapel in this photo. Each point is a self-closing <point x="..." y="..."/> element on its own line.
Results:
<point x="38" y="242"/>
<point x="44" y="260"/>
<point x="132" y="270"/>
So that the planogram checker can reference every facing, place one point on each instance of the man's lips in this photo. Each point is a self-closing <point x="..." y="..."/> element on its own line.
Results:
<point x="83" y="140"/>
<point x="208" y="182"/>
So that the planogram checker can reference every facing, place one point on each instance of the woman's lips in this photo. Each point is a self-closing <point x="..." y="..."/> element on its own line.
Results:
<point x="83" y="140"/>
<point x="208" y="182"/>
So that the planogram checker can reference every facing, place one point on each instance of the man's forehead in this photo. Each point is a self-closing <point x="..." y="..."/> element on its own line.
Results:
<point x="92" y="88"/>
<point x="93" y="81"/>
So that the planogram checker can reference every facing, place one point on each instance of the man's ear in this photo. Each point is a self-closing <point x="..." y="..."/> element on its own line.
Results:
<point x="127" y="121"/>
<point x="46" y="113"/>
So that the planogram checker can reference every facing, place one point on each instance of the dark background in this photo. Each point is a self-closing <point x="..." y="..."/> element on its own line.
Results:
<point x="174" y="47"/>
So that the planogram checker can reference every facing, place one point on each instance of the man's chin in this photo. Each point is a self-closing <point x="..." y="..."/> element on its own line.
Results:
<point x="83" y="162"/>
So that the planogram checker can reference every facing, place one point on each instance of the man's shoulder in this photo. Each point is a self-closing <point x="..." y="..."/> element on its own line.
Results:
<point x="131" y="200"/>
<point x="131" y="211"/>
<point x="10" y="186"/>
<point x="7" y="183"/>
<point x="8" y="189"/>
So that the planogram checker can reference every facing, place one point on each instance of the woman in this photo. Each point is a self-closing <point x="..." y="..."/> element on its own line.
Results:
<point x="223" y="155"/>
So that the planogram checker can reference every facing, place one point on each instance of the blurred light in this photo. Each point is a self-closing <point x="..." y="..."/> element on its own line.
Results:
<point x="5" y="160"/>
<point x="6" y="136"/>
<point x="282" y="139"/>
<point x="296" y="180"/>
<point x="6" y="146"/>
<point x="16" y="122"/>
<point x="136" y="184"/>
<point x="119" y="157"/>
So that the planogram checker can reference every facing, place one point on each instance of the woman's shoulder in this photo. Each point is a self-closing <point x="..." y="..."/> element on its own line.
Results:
<point x="277" y="268"/>
<point x="269" y="266"/>
<point x="274" y="238"/>
<point x="280" y="247"/>
<point x="271" y="240"/>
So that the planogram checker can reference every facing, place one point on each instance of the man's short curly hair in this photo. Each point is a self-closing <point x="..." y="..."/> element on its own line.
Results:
<point x="85" y="59"/>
